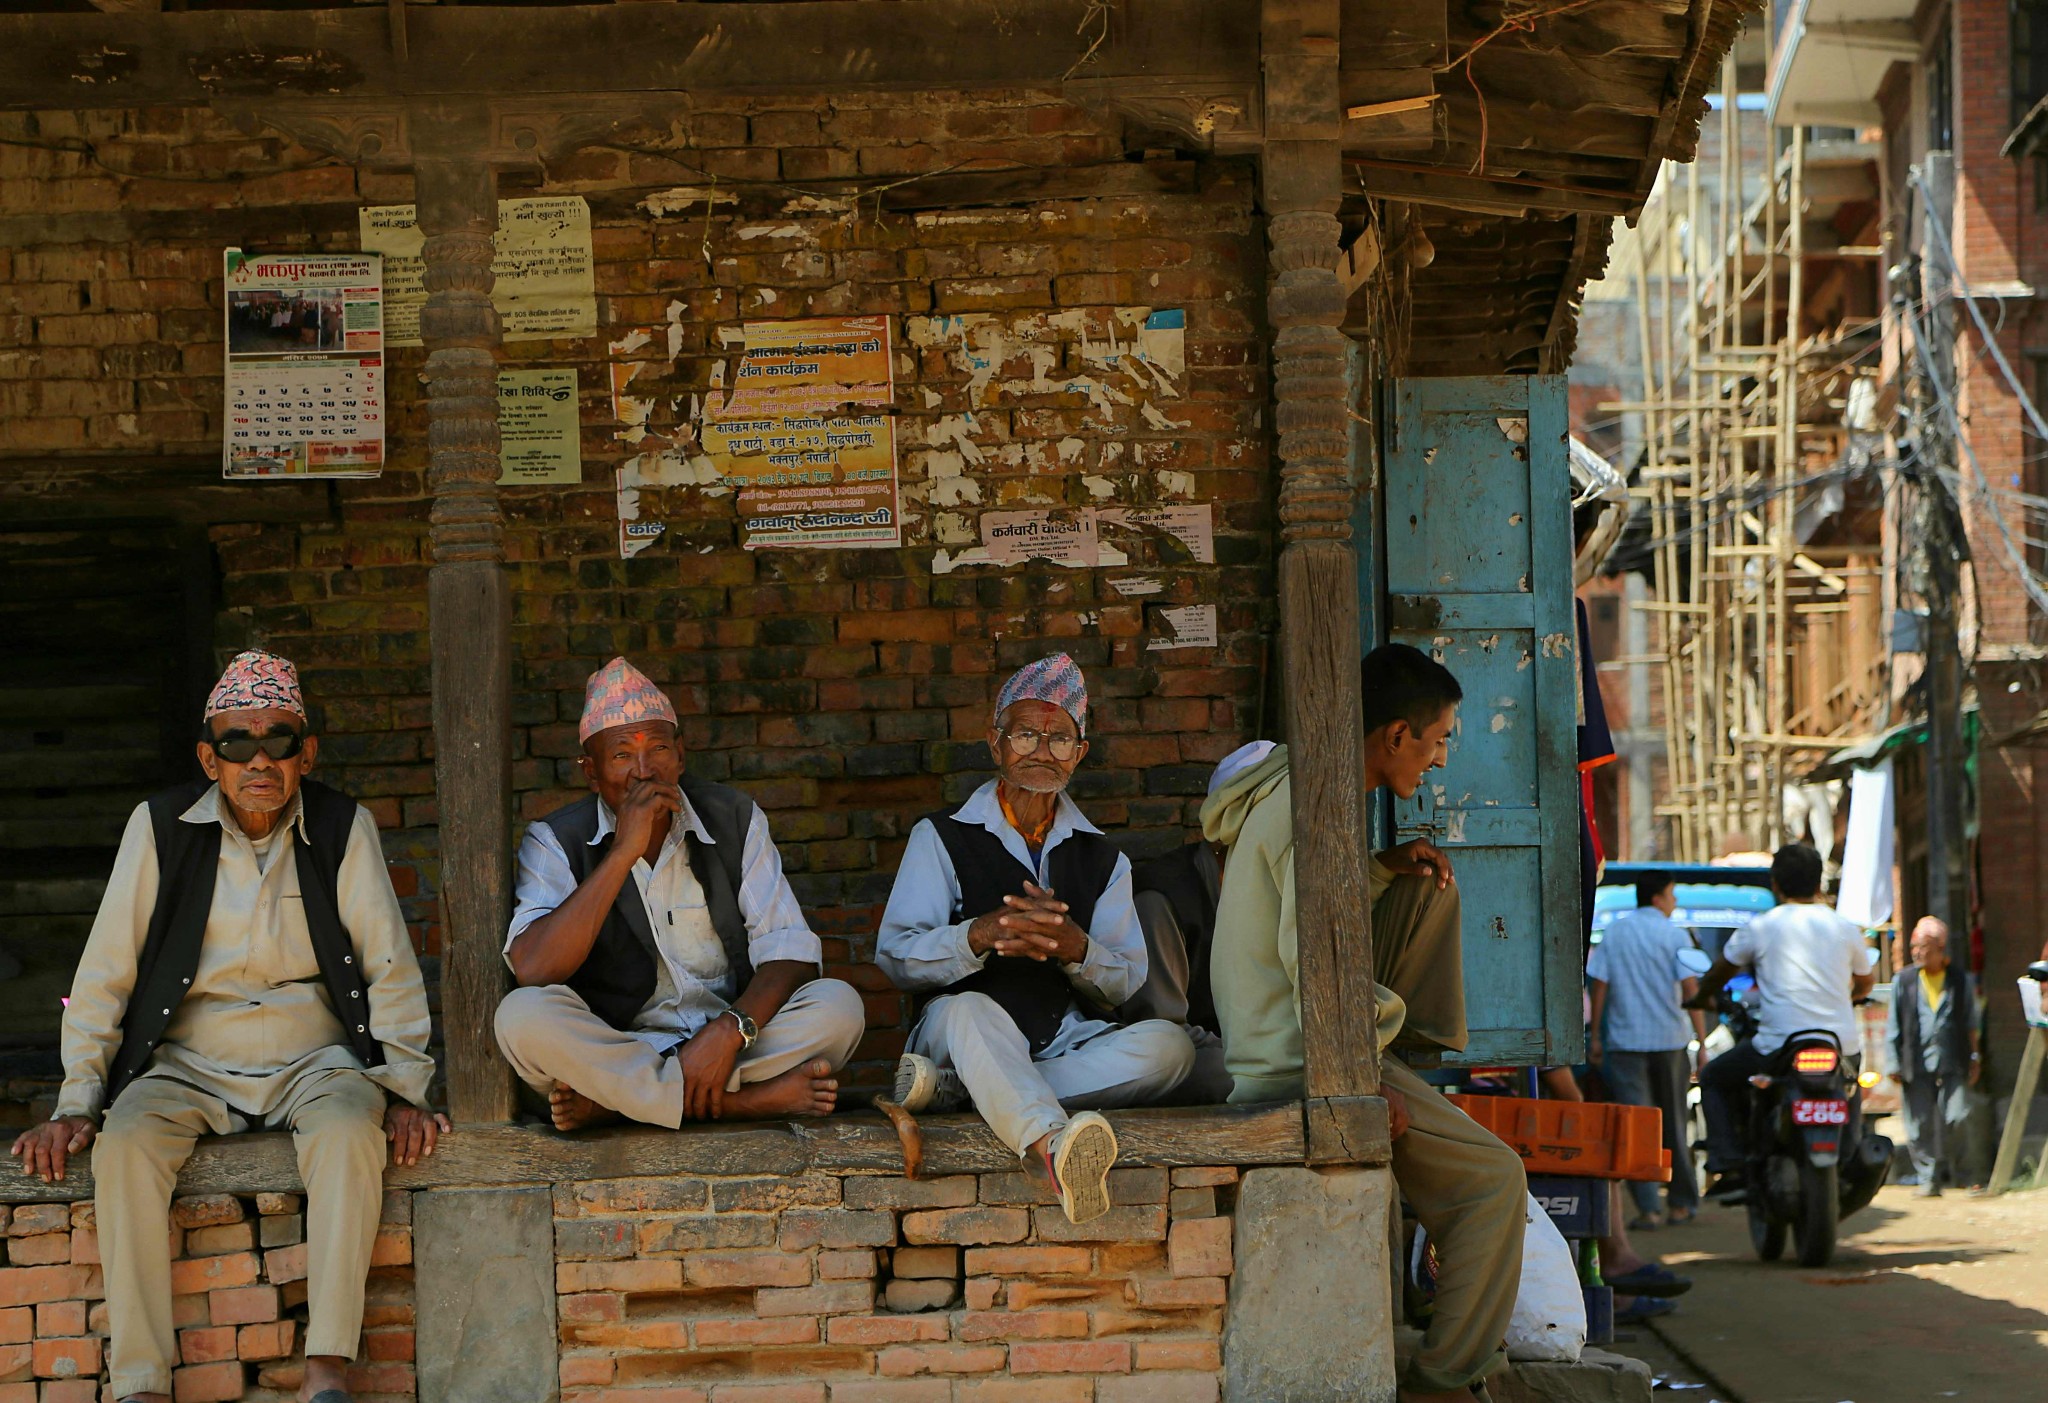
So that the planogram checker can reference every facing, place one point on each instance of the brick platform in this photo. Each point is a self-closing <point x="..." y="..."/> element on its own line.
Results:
<point x="802" y="1288"/>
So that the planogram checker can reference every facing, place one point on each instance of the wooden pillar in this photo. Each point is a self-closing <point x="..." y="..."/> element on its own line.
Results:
<point x="1302" y="180"/>
<point x="468" y="603"/>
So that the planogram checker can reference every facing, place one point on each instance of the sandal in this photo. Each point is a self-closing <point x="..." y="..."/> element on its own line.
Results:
<point x="1649" y="1279"/>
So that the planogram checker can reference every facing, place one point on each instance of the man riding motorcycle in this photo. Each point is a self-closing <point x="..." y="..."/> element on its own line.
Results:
<point x="1811" y="966"/>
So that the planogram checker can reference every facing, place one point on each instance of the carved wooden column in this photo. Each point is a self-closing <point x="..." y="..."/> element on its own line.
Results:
<point x="469" y="609"/>
<point x="1302" y="174"/>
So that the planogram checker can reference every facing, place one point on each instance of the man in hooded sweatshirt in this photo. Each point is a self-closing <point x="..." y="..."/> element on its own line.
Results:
<point x="1465" y="1186"/>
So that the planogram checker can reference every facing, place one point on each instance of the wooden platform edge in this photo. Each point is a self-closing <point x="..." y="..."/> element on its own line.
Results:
<point x="488" y="1156"/>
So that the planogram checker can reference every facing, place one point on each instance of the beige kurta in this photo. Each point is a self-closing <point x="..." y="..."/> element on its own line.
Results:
<point x="258" y="1016"/>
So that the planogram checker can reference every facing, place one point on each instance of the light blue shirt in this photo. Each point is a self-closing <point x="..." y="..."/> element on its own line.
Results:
<point x="1638" y="962"/>
<point x="921" y="947"/>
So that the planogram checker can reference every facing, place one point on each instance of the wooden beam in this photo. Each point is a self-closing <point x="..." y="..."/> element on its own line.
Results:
<point x="1303" y="178"/>
<point x="469" y="617"/>
<point x="813" y="46"/>
<point x="478" y="1156"/>
<point x="1428" y="185"/>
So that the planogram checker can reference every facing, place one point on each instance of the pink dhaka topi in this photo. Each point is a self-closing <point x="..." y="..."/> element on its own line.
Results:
<point x="1056" y="680"/>
<point x="257" y="681"/>
<point x="618" y="694"/>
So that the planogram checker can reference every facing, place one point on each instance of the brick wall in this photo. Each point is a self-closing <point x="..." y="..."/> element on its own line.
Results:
<point x="888" y="1290"/>
<point x="847" y="690"/>
<point x="238" y="1278"/>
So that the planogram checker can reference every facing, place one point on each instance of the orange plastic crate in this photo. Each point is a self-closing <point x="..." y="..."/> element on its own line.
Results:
<point x="1587" y="1138"/>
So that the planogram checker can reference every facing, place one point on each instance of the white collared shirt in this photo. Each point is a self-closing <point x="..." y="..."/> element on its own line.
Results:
<point x="694" y="982"/>
<point x="922" y="947"/>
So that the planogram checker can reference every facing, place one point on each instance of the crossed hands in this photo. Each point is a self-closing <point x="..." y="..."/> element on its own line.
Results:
<point x="1035" y="926"/>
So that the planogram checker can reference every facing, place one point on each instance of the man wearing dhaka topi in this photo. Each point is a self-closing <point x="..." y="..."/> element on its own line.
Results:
<point x="249" y="968"/>
<point x="666" y="971"/>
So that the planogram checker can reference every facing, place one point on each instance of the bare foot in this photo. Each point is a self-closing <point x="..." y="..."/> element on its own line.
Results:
<point x="808" y="1090"/>
<point x="570" y="1109"/>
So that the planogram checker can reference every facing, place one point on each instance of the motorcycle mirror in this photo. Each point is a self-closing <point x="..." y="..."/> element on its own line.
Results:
<point x="1694" y="962"/>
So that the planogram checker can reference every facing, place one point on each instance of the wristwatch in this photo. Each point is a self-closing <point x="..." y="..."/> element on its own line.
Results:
<point x="749" y="1029"/>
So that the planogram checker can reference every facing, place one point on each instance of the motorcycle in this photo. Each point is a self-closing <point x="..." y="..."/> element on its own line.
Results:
<point x="1808" y="1161"/>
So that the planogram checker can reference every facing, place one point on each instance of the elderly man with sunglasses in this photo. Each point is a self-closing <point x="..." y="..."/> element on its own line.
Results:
<point x="249" y="967"/>
<point x="1013" y="917"/>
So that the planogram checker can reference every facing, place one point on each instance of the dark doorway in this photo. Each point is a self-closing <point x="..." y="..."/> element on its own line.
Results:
<point x="106" y="649"/>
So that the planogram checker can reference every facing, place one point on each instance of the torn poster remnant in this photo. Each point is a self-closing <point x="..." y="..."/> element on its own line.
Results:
<point x="797" y="437"/>
<point x="545" y="279"/>
<point x="1192" y="626"/>
<point x="1065" y="536"/>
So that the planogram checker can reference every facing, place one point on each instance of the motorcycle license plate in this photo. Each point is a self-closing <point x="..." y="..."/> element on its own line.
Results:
<point x="1820" y="1113"/>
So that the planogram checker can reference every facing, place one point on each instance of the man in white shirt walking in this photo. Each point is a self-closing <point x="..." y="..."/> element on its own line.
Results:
<point x="1638" y="985"/>
<point x="1811" y="966"/>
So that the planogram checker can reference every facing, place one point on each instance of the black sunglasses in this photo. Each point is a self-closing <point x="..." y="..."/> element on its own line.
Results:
<point x="239" y="747"/>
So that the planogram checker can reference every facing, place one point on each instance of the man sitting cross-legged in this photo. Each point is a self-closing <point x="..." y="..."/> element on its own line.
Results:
<point x="1465" y="1185"/>
<point x="667" y="972"/>
<point x="1014" y="916"/>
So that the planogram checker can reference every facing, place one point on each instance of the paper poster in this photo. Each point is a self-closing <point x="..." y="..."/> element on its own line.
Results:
<point x="546" y="286"/>
<point x="305" y="365"/>
<point x="791" y="438"/>
<point x="1191" y="627"/>
<point x="538" y="427"/>
<point x="1065" y="536"/>
<point x="1191" y="528"/>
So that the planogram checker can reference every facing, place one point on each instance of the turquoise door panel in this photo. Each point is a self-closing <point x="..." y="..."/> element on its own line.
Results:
<point x="1478" y="558"/>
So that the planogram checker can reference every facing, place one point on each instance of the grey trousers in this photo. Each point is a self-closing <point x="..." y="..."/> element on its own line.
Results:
<point x="549" y="1035"/>
<point x="1935" y="1108"/>
<point x="337" y="1125"/>
<point x="1658" y="1079"/>
<point x="1023" y="1099"/>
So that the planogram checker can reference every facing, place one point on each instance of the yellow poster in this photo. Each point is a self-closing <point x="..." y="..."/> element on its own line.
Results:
<point x="538" y="427"/>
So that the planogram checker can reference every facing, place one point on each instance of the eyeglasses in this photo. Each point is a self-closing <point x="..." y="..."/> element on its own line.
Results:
<point x="1060" y="747"/>
<point x="239" y="747"/>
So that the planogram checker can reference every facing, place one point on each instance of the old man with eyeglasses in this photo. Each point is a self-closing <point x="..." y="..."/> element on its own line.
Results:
<point x="249" y="968"/>
<point x="1013" y="918"/>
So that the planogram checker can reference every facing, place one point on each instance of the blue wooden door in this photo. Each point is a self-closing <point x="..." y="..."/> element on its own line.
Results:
<point x="1478" y="560"/>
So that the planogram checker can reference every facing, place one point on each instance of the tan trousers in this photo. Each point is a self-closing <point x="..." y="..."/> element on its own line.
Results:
<point x="550" y="1036"/>
<point x="1417" y="953"/>
<point x="1468" y="1190"/>
<point x="337" y="1122"/>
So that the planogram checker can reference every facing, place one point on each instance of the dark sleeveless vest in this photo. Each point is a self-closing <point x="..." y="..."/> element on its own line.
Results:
<point x="1035" y="993"/>
<point x="617" y="977"/>
<point x="188" y="861"/>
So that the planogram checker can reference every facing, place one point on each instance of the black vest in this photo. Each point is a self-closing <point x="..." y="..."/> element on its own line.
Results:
<point x="1035" y="993"/>
<point x="617" y="977"/>
<point x="188" y="861"/>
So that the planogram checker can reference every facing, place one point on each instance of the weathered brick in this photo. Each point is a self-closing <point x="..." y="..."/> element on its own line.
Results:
<point x="281" y="1230"/>
<point x="608" y="1196"/>
<point x="272" y="1205"/>
<point x="1182" y="1293"/>
<point x="220" y="1239"/>
<point x="892" y="1391"/>
<point x="837" y="1228"/>
<point x="768" y="1393"/>
<point x="1200" y="1247"/>
<point x="911" y="1296"/>
<point x="1136" y="1224"/>
<point x="884" y="1329"/>
<point x="208" y="1383"/>
<point x="847" y="1266"/>
<point x="28" y="1286"/>
<point x="68" y="1358"/>
<point x="17" y="1363"/>
<point x="1070" y="1357"/>
<point x="773" y="1195"/>
<point x="46" y="1249"/>
<point x="71" y="1391"/>
<point x="59" y="1318"/>
<point x="1023" y="1324"/>
<point x="1192" y="1203"/>
<point x="907" y="1361"/>
<point x="756" y="1334"/>
<point x="747" y="1269"/>
<point x="207" y="1345"/>
<point x="595" y="1239"/>
<point x="1049" y="1389"/>
<point x="591" y="1306"/>
<point x="1194" y="1355"/>
<point x="273" y="1340"/>
<point x="909" y="1262"/>
<point x="206" y="1210"/>
<point x="18" y="1324"/>
<point x="967" y="1226"/>
<point x="828" y="1298"/>
<point x="393" y="1247"/>
<point x="283" y="1265"/>
<point x="957" y="1191"/>
<point x="242" y="1305"/>
<point x="37" y="1219"/>
<point x="665" y="1275"/>
<point x="707" y="1233"/>
<point x="1159" y="1388"/>
<point x="578" y="1370"/>
<point x="1028" y="1261"/>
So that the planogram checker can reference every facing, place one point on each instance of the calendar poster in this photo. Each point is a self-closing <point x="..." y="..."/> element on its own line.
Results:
<point x="305" y="365"/>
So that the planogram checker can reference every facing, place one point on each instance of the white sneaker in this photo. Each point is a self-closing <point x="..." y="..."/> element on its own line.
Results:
<point x="1082" y="1155"/>
<point x="923" y="1085"/>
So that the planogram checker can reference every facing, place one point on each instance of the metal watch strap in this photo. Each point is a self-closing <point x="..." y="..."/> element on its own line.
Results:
<point x="749" y="1029"/>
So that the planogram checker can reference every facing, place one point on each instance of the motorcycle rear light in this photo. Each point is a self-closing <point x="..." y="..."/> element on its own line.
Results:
<point x="1813" y="1060"/>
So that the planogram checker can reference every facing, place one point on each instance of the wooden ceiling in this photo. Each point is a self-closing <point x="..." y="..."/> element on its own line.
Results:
<point x="1489" y="143"/>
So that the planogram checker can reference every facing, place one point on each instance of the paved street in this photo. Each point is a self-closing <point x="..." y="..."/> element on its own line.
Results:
<point x="1925" y="1300"/>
